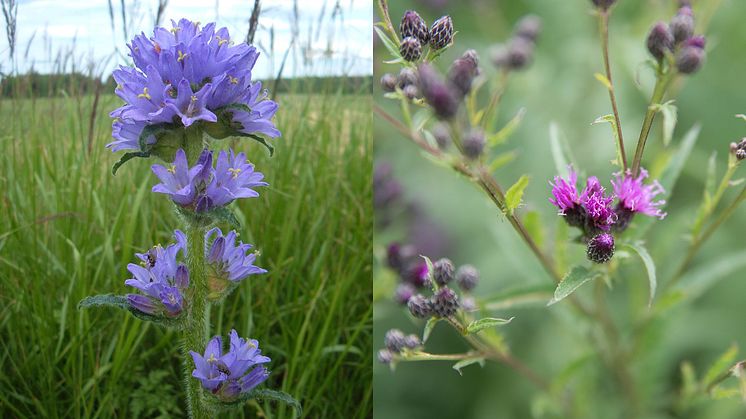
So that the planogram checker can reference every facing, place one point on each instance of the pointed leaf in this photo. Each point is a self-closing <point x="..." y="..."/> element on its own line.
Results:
<point x="388" y="42"/>
<point x="478" y="325"/>
<point x="577" y="276"/>
<point x="120" y="302"/>
<point x="506" y="131"/>
<point x="258" y="139"/>
<point x="612" y="121"/>
<point x="515" y="193"/>
<point x="670" y="115"/>
<point x="502" y="159"/>
<point x="466" y="362"/>
<point x="605" y="81"/>
<point x="278" y="396"/>
<point x="127" y="157"/>
<point x="429" y="326"/>
<point x="561" y="151"/>
<point x="721" y="366"/>
<point x="647" y="260"/>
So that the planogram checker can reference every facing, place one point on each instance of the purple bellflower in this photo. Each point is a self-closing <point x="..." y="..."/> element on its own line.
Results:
<point x="161" y="279"/>
<point x="229" y="261"/>
<point x="228" y="375"/>
<point x="201" y="188"/>
<point x="185" y="75"/>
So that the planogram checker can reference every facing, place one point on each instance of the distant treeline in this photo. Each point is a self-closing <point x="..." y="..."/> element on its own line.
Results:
<point x="48" y="85"/>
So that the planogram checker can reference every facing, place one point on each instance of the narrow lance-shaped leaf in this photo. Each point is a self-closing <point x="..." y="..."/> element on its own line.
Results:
<point x="466" y="362"/>
<point x="577" y="276"/>
<point x="561" y="151"/>
<point x="387" y="42"/>
<point x="515" y="193"/>
<point x="429" y="326"/>
<point x="647" y="260"/>
<point x="478" y="325"/>
<point x="127" y="157"/>
<point x="506" y="131"/>
<point x="612" y="121"/>
<point x="120" y="302"/>
<point x="721" y="366"/>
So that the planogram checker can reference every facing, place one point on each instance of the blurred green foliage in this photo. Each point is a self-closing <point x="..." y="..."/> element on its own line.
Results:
<point x="560" y="87"/>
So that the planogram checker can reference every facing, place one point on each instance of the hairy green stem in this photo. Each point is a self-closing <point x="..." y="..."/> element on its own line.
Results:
<point x="604" y="29"/>
<point x="661" y="85"/>
<point x="193" y="336"/>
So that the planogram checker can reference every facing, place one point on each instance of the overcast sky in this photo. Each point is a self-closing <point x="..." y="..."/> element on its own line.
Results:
<point x="342" y="45"/>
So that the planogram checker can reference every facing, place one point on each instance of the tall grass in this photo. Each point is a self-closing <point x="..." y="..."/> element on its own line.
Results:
<point x="68" y="228"/>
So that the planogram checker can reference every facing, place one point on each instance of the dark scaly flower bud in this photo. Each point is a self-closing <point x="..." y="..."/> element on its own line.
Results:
<point x="394" y="340"/>
<point x="690" y="59"/>
<point x="601" y="248"/>
<point x="682" y="25"/>
<point x="467" y="277"/>
<point x="660" y="40"/>
<point x="473" y="144"/>
<point x="442" y="136"/>
<point x="410" y="48"/>
<point x="443" y="271"/>
<point x="739" y="149"/>
<point x="412" y="342"/>
<point x="411" y="92"/>
<point x="603" y="4"/>
<point x="441" y="33"/>
<point x="413" y="25"/>
<point x="385" y="356"/>
<point x="417" y="275"/>
<point x="528" y="28"/>
<point x="420" y="306"/>
<point x="463" y="70"/>
<point x="437" y="93"/>
<point x="445" y="302"/>
<point x="403" y="293"/>
<point x="515" y="56"/>
<point x="388" y="82"/>
<point x="406" y="77"/>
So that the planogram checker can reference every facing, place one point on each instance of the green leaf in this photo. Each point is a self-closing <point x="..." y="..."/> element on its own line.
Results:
<point x="215" y="215"/>
<point x="120" y="302"/>
<point x="127" y="157"/>
<point x="149" y="130"/>
<point x="466" y="362"/>
<point x="612" y="121"/>
<point x="258" y="139"/>
<point x="577" y="276"/>
<point x="237" y="106"/>
<point x="429" y="326"/>
<point x="502" y="159"/>
<point x="506" y="131"/>
<point x="532" y="222"/>
<point x="478" y="325"/>
<point x="278" y="396"/>
<point x="387" y="42"/>
<point x="561" y="151"/>
<point x="700" y="279"/>
<point x="670" y="115"/>
<point x="525" y="296"/>
<point x="605" y="81"/>
<point x="515" y="193"/>
<point x="670" y="175"/>
<point x="721" y="366"/>
<point x="647" y="260"/>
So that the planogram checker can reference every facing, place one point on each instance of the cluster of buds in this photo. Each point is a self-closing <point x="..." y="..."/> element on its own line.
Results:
<point x="592" y="212"/>
<point x="415" y="35"/>
<point x="444" y="95"/>
<point x="677" y="38"/>
<point x="410" y="268"/>
<point x="397" y="343"/>
<point x="444" y="301"/>
<point x="518" y="52"/>
<point x="739" y="149"/>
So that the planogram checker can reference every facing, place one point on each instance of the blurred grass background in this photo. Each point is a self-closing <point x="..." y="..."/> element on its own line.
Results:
<point x="68" y="228"/>
<point x="560" y="87"/>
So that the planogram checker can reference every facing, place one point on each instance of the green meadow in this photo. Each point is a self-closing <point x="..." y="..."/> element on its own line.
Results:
<point x="68" y="228"/>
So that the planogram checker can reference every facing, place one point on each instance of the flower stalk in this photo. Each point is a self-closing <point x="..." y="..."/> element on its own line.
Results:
<point x="604" y="30"/>
<point x="662" y="81"/>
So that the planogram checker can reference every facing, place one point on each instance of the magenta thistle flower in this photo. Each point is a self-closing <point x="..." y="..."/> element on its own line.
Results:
<point x="230" y="259"/>
<point x="566" y="199"/>
<point x="201" y="187"/>
<point x="600" y="215"/>
<point x="161" y="279"/>
<point x="185" y="75"/>
<point x="634" y="197"/>
<point x="236" y="372"/>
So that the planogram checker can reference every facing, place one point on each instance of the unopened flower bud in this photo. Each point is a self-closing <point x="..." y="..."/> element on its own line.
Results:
<point x="394" y="340"/>
<point x="601" y="248"/>
<point x="603" y="4"/>
<point x="412" y="342"/>
<point x="388" y="82"/>
<point x="385" y="356"/>
<point x="528" y="27"/>
<point x="682" y="25"/>
<point x="403" y="293"/>
<point x="515" y="56"/>
<point x="410" y="48"/>
<point x="462" y="72"/>
<point x="441" y="33"/>
<point x="417" y="274"/>
<point x="442" y="136"/>
<point x="443" y="271"/>
<point x="406" y="77"/>
<point x="411" y="92"/>
<point x="690" y="59"/>
<point x="467" y="277"/>
<point x="739" y="149"/>
<point x="660" y="40"/>
<point x="420" y="306"/>
<point x="437" y="93"/>
<point x="473" y="144"/>
<point x="413" y="25"/>
<point x="445" y="302"/>
<point x="468" y="304"/>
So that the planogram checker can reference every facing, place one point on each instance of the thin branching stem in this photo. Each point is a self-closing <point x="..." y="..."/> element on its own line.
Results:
<point x="604" y="29"/>
<point x="662" y="81"/>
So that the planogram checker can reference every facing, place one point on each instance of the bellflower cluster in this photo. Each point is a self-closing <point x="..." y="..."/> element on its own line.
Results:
<point x="592" y="210"/>
<point x="228" y="262"/>
<point x="202" y="187"/>
<point x="189" y="75"/>
<point x="161" y="279"/>
<point x="228" y="375"/>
